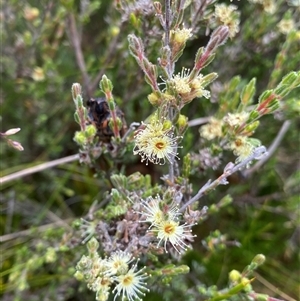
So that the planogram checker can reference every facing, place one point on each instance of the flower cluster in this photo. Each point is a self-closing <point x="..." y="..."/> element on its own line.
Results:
<point x="165" y="224"/>
<point x="101" y="274"/>
<point x="236" y="119"/>
<point x="180" y="35"/>
<point x="285" y="26"/>
<point x="212" y="129"/>
<point x="155" y="142"/>
<point x="229" y="16"/>
<point x="243" y="147"/>
<point x="269" y="6"/>
<point x="231" y="127"/>
<point x="188" y="88"/>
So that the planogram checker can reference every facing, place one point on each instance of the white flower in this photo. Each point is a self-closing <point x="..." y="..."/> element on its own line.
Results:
<point x="152" y="211"/>
<point x="180" y="36"/>
<point x="156" y="144"/>
<point x="236" y="119"/>
<point x="212" y="130"/>
<point x="156" y="212"/>
<point x="131" y="285"/>
<point x="180" y="82"/>
<point x="241" y="148"/>
<point x="229" y="16"/>
<point x="285" y="26"/>
<point x="171" y="231"/>
<point x="118" y="263"/>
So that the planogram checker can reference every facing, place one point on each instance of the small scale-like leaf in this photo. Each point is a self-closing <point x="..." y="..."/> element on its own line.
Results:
<point x="248" y="92"/>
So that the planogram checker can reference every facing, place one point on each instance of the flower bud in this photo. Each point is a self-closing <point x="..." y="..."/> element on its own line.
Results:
<point x="234" y="276"/>
<point x="85" y="263"/>
<point x="115" y="30"/>
<point x="90" y="131"/>
<point x="80" y="138"/>
<point x="12" y="131"/>
<point x="247" y="284"/>
<point x="167" y="125"/>
<point x="93" y="245"/>
<point x="182" y="121"/>
<point x="259" y="259"/>
<point x="76" y="90"/>
<point x="79" y="276"/>
<point x="105" y="84"/>
<point x="153" y="99"/>
<point x="15" y="144"/>
<point x="251" y="127"/>
<point x="50" y="255"/>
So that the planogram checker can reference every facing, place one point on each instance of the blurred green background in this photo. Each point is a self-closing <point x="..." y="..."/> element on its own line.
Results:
<point x="46" y="46"/>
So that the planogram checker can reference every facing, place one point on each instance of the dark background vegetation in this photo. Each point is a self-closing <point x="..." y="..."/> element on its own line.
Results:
<point x="264" y="215"/>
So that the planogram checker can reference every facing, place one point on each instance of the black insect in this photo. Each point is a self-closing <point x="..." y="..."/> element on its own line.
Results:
<point x="99" y="115"/>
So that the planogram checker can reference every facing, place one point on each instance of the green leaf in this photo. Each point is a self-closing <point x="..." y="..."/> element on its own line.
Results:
<point x="248" y="92"/>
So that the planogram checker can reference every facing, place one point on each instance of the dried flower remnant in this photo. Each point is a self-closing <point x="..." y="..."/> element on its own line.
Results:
<point x="229" y="16"/>
<point x="205" y="160"/>
<point x="156" y="144"/>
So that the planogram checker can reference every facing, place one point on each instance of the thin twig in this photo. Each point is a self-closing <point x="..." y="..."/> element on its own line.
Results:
<point x="42" y="228"/>
<point x="113" y="47"/>
<point x="198" y="121"/>
<point x="167" y="22"/>
<point x="38" y="168"/>
<point x="273" y="147"/>
<point x="272" y="288"/>
<point x="76" y="42"/>
<point x="132" y="128"/>
<point x="229" y="169"/>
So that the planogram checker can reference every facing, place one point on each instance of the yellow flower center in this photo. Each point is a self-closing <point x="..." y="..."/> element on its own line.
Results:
<point x="127" y="280"/>
<point x="160" y="145"/>
<point x="169" y="229"/>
